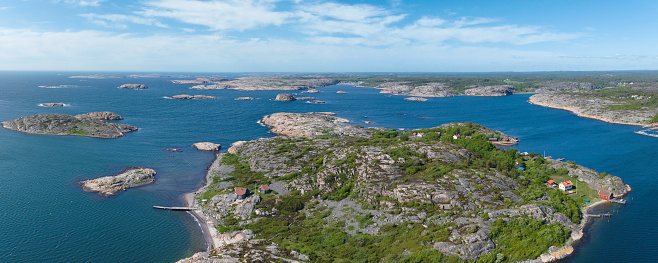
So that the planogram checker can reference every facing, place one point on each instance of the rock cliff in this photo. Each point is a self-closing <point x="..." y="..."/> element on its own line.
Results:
<point x="111" y="185"/>
<point x="60" y="124"/>
<point x="284" y="97"/>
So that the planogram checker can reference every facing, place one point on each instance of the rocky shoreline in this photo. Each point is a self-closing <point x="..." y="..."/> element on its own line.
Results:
<point x="592" y="108"/>
<point x="215" y="209"/>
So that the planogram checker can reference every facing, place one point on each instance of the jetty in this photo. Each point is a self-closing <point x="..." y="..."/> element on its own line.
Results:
<point x="599" y="215"/>
<point x="618" y="201"/>
<point x="174" y="208"/>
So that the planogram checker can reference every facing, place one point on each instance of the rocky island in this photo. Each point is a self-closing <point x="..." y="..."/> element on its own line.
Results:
<point x="133" y="86"/>
<point x="333" y="192"/>
<point x="111" y="185"/>
<point x="275" y="82"/>
<point x="60" y="124"/>
<point x="190" y="97"/>
<point x="52" y="104"/>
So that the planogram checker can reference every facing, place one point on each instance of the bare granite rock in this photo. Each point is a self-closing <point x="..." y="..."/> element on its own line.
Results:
<point x="310" y="124"/>
<point x="340" y="92"/>
<point x="491" y="91"/>
<point x="311" y="91"/>
<point x="191" y="97"/>
<point x="103" y="115"/>
<point x="207" y="146"/>
<point x="55" y="104"/>
<point x="133" y="86"/>
<point x="245" y="98"/>
<point x="284" y="97"/>
<point x="415" y="99"/>
<point x="594" y="108"/>
<point x="111" y="185"/>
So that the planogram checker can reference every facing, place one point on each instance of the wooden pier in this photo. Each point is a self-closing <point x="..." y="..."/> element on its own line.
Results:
<point x="174" y="208"/>
<point x="599" y="215"/>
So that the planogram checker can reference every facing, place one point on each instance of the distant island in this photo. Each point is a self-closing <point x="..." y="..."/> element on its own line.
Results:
<point x="327" y="191"/>
<point x="89" y="125"/>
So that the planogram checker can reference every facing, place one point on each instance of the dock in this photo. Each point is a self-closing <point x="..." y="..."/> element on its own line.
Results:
<point x="599" y="215"/>
<point x="174" y="208"/>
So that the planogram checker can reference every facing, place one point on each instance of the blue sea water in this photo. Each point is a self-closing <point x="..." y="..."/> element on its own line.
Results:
<point x="46" y="217"/>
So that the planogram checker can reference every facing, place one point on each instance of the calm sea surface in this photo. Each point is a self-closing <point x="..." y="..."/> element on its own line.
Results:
<point x="46" y="217"/>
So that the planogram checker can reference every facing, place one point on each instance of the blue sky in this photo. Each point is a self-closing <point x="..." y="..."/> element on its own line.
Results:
<point x="328" y="36"/>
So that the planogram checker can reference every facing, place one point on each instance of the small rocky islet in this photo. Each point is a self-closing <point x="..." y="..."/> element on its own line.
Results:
<point x="111" y="185"/>
<point x="409" y="194"/>
<point x="88" y="125"/>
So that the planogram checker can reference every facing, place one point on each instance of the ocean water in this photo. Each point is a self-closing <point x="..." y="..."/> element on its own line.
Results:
<point x="46" y="217"/>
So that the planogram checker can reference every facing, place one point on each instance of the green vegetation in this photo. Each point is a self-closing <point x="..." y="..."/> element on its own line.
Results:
<point x="523" y="238"/>
<point x="302" y="222"/>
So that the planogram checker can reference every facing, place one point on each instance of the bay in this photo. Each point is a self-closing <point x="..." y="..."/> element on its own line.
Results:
<point x="46" y="217"/>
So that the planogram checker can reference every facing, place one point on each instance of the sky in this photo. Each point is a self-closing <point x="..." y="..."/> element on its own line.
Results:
<point x="328" y="36"/>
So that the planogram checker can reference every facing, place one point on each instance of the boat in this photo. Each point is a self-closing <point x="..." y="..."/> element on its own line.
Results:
<point x="619" y="201"/>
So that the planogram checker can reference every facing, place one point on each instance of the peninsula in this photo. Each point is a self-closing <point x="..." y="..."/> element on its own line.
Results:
<point x="326" y="191"/>
<point x="89" y="125"/>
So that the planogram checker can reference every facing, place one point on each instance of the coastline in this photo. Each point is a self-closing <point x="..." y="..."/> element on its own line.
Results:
<point x="576" y="111"/>
<point x="207" y="226"/>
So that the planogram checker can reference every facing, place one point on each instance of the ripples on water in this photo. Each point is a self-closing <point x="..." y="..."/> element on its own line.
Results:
<point x="47" y="217"/>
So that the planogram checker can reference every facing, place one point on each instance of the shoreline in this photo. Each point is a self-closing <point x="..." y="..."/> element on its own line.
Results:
<point x="575" y="110"/>
<point x="207" y="226"/>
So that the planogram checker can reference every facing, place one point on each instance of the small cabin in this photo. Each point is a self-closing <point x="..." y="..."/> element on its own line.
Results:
<point x="456" y="136"/>
<point x="551" y="183"/>
<point x="241" y="192"/>
<point x="565" y="186"/>
<point x="605" y="195"/>
<point x="278" y="201"/>
<point x="493" y="139"/>
<point x="264" y="189"/>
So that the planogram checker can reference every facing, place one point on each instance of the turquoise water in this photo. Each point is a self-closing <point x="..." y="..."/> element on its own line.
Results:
<point x="46" y="217"/>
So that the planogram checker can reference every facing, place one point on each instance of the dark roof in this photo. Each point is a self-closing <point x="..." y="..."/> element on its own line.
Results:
<point x="264" y="187"/>
<point x="240" y="191"/>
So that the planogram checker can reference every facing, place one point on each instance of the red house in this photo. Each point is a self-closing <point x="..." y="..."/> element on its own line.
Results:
<point x="605" y="195"/>
<point x="241" y="192"/>
<point x="551" y="183"/>
<point x="264" y="189"/>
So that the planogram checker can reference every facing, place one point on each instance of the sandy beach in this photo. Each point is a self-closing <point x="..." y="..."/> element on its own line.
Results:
<point x="207" y="226"/>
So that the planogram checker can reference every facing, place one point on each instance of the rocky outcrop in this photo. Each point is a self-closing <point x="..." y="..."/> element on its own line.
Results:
<point x="235" y="146"/>
<point x="316" y="102"/>
<point x="340" y="92"/>
<point x="415" y="99"/>
<point x="102" y="115"/>
<point x="111" y="185"/>
<point x="60" y="124"/>
<point x="55" y="104"/>
<point x="133" y="86"/>
<point x="284" y="97"/>
<point x="311" y="91"/>
<point x="207" y="146"/>
<point x="304" y="98"/>
<point x="491" y="91"/>
<point x="426" y="90"/>
<point x="593" y="107"/>
<point x="191" y="97"/>
<point x="310" y="124"/>
<point x="245" y="98"/>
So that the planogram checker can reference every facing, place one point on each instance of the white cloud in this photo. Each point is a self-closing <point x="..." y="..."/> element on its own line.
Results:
<point x="5" y="7"/>
<point x="83" y="2"/>
<point x="121" y="21"/>
<point x="218" y="15"/>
